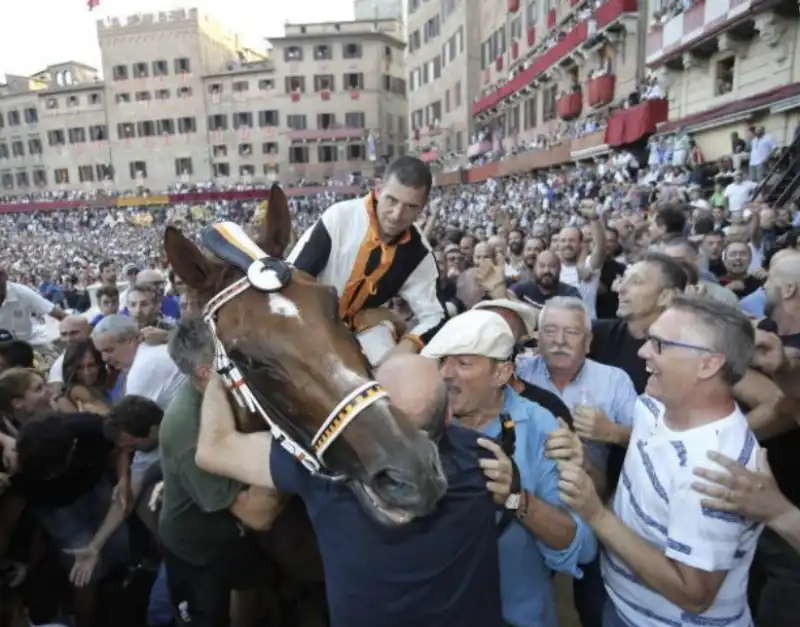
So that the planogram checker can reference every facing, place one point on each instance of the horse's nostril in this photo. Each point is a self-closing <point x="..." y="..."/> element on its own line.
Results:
<point x="389" y="480"/>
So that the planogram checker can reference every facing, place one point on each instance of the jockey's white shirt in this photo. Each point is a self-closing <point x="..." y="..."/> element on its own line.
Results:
<point x="655" y="499"/>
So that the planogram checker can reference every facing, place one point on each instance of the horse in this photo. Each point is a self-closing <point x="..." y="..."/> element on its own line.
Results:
<point x="303" y="375"/>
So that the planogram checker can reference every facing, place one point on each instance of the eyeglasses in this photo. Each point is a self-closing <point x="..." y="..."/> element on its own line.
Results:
<point x="658" y="345"/>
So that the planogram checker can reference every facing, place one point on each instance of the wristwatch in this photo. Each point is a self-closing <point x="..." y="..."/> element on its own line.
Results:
<point x="513" y="501"/>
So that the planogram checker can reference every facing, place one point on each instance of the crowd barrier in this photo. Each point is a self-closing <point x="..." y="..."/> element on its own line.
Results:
<point x="157" y="200"/>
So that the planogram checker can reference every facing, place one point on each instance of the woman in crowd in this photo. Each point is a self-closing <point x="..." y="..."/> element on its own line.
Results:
<point x="23" y="395"/>
<point x="86" y="380"/>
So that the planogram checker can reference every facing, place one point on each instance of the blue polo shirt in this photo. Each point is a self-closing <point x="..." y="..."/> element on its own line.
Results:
<point x="439" y="571"/>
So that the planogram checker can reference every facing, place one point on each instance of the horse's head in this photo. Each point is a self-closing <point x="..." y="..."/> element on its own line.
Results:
<point x="302" y="366"/>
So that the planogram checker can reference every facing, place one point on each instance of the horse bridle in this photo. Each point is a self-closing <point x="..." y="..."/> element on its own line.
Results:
<point x="269" y="275"/>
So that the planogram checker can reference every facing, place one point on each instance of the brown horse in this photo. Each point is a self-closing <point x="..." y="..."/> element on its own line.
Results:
<point x="301" y="362"/>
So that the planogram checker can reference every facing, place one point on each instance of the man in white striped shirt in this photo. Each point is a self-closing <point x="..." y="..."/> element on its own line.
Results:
<point x="669" y="561"/>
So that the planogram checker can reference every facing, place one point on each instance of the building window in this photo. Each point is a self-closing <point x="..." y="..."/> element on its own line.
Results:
<point x="146" y="128"/>
<point x="183" y="167"/>
<point x="120" y="72"/>
<point x="17" y="148"/>
<point x="140" y="70"/>
<point x="22" y="179"/>
<point x="245" y="150"/>
<point x="457" y="95"/>
<point x="220" y="150"/>
<point x="724" y="76"/>
<point x="137" y="170"/>
<point x="72" y="102"/>
<point x="122" y="98"/>
<point x="241" y="86"/>
<point x="183" y="66"/>
<point x="166" y="126"/>
<point x="98" y="133"/>
<point x="270" y="169"/>
<point x="247" y="170"/>
<point x="218" y="122"/>
<point x="143" y="96"/>
<point x="354" y="80"/>
<point x="61" y="176"/>
<point x="323" y="52"/>
<point x="222" y="170"/>
<point x="51" y="104"/>
<point x="268" y="118"/>
<point x="56" y="138"/>
<point x="162" y="94"/>
<point x="95" y="99"/>
<point x="104" y="172"/>
<point x="160" y="68"/>
<point x="327" y="154"/>
<point x="184" y="92"/>
<point x="293" y="53"/>
<point x="126" y="130"/>
<point x="355" y="119"/>
<point x="86" y="173"/>
<point x="352" y="51"/>
<point x="40" y="178"/>
<point x="35" y="146"/>
<point x="7" y="180"/>
<point x="323" y="82"/>
<point x="296" y="122"/>
<point x="549" y="104"/>
<point x="31" y="115"/>
<point x="356" y="152"/>
<point x="529" y="113"/>
<point x="269" y="148"/>
<point x="187" y="125"/>
<point x="2" y="123"/>
<point x="13" y="118"/>
<point x="326" y="121"/>
<point x="298" y="154"/>
<point x="77" y="135"/>
<point x="4" y="151"/>
<point x="266" y="84"/>
<point x="243" y="120"/>
<point x="295" y="84"/>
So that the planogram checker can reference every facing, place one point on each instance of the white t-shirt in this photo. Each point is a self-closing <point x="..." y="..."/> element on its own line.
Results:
<point x="18" y="309"/>
<point x="655" y="499"/>
<point x="588" y="289"/>
<point x="57" y="370"/>
<point x="152" y="375"/>
<point x="739" y="194"/>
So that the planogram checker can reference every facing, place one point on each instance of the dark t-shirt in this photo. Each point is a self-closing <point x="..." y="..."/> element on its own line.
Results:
<point x="89" y="463"/>
<point x="784" y="450"/>
<point x="717" y="268"/>
<point x="439" y="571"/>
<point x="529" y="291"/>
<point x="751" y="284"/>
<point x="608" y="301"/>
<point x="613" y="345"/>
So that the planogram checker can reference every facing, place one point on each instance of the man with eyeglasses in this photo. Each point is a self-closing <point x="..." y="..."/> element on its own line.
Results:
<point x="668" y="559"/>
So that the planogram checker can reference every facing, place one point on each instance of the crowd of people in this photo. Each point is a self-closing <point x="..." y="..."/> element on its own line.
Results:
<point x="636" y="324"/>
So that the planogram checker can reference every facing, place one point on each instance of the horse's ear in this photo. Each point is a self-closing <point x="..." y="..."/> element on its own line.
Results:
<point x="274" y="228"/>
<point x="188" y="261"/>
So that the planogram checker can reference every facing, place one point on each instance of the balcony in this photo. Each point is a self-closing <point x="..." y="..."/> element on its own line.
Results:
<point x="601" y="90"/>
<point x="329" y="134"/>
<point x="429" y="156"/>
<point x="604" y="16"/>
<point x="569" y="106"/>
<point x="631" y="125"/>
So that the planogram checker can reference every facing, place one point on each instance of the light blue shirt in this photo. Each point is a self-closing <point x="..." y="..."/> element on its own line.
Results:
<point x="608" y="388"/>
<point x="526" y="583"/>
<point x="754" y="303"/>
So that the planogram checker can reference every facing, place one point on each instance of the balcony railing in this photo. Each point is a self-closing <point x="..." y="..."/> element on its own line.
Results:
<point x="329" y="134"/>
<point x="601" y="90"/>
<point x="569" y="106"/>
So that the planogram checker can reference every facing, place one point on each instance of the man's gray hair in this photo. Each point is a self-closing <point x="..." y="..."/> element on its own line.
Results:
<point x="728" y="330"/>
<point x="122" y="327"/>
<point x="191" y="344"/>
<point x="568" y="303"/>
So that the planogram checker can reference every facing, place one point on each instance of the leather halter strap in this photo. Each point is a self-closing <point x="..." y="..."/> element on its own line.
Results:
<point x="264" y="273"/>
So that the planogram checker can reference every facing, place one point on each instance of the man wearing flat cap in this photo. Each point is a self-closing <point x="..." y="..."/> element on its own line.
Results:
<point x="475" y="351"/>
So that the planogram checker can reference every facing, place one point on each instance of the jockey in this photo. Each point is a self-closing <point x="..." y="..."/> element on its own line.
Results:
<point x="371" y="251"/>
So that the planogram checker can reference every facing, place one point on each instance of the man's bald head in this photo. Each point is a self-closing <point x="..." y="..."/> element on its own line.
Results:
<point x="74" y="328"/>
<point x="417" y="389"/>
<point x="786" y="264"/>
